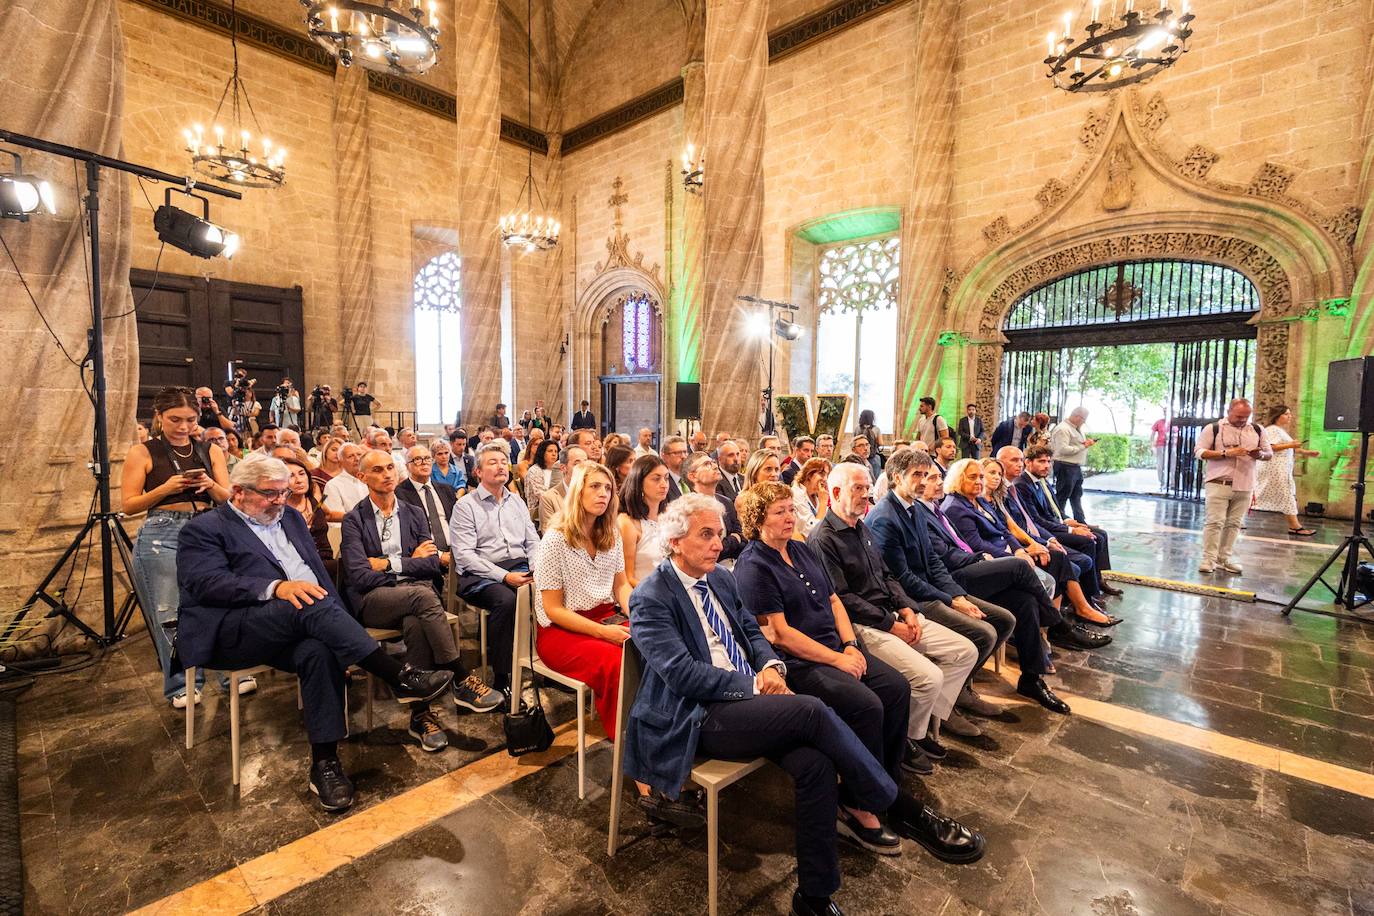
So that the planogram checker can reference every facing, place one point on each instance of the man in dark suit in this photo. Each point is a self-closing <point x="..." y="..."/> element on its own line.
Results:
<point x="803" y="447"/>
<point x="908" y="552"/>
<point x="431" y="497"/>
<point x="583" y="419"/>
<point x="970" y="432"/>
<point x="254" y="591"/>
<point x="389" y="563"/>
<point x="702" y="475"/>
<point x="1013" y="431"/>
<point x="674" y="454"/>
<point x="712" y="685"/>
<point x="730" y="461"/>
<point x="1089" y="539"/>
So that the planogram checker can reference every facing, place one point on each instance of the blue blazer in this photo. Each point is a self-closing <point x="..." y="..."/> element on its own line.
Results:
<point x="978" y="532"/>
<point x="951" y="554"/>
<point x="1006" y="433"/>
<point x="679" y="676"/>
<point x="223" y="567"/>
<point x="361" y="540"/>
<point x="1035" y="502"/>
<point x="908" y="553"/>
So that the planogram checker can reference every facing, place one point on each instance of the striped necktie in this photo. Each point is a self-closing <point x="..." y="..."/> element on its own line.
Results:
<point x="732" y="649"/>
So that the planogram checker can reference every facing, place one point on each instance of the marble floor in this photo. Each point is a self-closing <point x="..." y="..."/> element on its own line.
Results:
<point x="1220" y="760"/>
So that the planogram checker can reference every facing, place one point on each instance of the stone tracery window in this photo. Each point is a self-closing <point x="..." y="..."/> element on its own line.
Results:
<point x="437" y="306"/>
<point x="858" y="285"/>
<point x="637" y="333"/>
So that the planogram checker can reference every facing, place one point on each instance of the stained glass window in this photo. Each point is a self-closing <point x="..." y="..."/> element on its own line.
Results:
<point x="637" y="333"/>
<point x="437" y="305"/>
<point x="856" y="332"/>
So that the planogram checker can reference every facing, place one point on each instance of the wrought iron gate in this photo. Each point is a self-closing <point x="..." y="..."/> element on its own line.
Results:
<point x="1207" y="375"/>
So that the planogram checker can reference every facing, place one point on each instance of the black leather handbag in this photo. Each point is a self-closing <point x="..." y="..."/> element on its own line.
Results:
<point x="528" y="731"/>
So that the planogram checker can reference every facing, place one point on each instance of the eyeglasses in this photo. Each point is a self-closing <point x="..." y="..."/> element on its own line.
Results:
<point x="271" y="495"/>
<point x="420" y="461"/>
<point x="386" y="527"/>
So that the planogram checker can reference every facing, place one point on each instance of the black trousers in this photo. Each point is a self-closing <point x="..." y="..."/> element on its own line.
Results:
<point x="316" y="643"/>
<point x="1068" y="487"/>
<point x="806" y="738"/>
<point x="1082" y="553"/>
<point x="876" y="707"/>
<point x="1099" y="549"/>
<point x="1010" y="583"/>
<point x="498" y="599"/>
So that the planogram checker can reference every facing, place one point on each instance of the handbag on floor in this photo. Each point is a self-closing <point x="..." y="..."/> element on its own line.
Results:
<point x="527" y="731"/>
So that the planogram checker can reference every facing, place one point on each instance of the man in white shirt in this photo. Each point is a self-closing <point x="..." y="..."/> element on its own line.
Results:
<point x="731" y="480"/>
<point x="1069" y="450"/>
<point x="345" y="490"/>
<point x="646" y="443"/>
<point x="380" y="439"/>
<point x="1230" y="448"/>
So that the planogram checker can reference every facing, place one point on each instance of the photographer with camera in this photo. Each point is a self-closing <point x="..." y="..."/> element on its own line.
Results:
<point x="286" y="405"/>
<point x="211" y="414"/>
<point x="323" y="406"/>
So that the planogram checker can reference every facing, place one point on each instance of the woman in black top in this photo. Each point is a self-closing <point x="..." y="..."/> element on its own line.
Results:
<point x="786" y="586"/>
<point x="171" y="478"/>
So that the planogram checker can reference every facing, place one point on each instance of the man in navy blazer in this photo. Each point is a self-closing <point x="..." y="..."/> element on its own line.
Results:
<point x="723" y="694"/>
<point x="1012" y="431"/>
<point x="254" y="591"/>
<point x="389" y="563"/>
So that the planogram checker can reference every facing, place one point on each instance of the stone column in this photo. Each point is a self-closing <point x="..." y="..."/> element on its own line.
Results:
<point x="925" y="217"/>
<point x="551" y="359"/>
<point x="477" y="51"/>
<point x="353" y="209"/>
<point x="736" y="67"/>
<point x="689" y="265"/>
<point x="1362" y="295"/>
<point x="62" y="79"/>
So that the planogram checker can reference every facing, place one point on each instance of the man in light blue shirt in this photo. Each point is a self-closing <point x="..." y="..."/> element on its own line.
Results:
<point x="493" y="540"/>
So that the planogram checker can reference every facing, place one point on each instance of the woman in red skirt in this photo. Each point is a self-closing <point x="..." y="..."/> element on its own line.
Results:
<point x="579" y="579"/>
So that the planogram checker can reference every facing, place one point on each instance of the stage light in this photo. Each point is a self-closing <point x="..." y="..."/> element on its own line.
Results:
<point x="786" y="329"/>
<point x="193" y="234"/>
<point x="22" y="194"/>
<point x="756" y="325"/>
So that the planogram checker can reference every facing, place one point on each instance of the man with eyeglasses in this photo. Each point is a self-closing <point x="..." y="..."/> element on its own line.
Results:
<point x="390" y="562"/>
<point x="254" y="591"/>
<point x="674" y="454"/>
<point x="431" y="497"/>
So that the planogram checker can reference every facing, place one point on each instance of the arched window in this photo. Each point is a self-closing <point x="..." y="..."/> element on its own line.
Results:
<point x="437" y="304"/>
<point x="856" y="332"/>
<point x="637" y="334"/>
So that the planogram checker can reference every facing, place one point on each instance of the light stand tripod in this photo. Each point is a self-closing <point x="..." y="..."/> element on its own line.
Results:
<point x="1348" y="548"/>
<point x="103" y="519"/>
<point x="788" y="331"/>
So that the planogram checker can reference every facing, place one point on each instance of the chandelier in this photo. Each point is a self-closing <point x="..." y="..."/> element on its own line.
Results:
<point x="525" y="227"/>
<point x="1118" y="51"/>
<point x="693" y="170"/>
<point x="230" y="156"/>
<point x="387" y="35"/>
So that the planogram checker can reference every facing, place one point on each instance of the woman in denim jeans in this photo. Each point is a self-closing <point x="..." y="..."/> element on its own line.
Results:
<point x="171" y="477"/>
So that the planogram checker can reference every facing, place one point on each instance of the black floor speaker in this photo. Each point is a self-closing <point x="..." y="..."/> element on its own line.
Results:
<point x="1350" y="395"/>
<point x="688" y="401"/>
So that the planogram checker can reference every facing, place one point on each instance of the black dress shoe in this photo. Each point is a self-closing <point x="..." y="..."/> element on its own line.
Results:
<point x="933" y="749"/>
<point x="1109" y="589"/>
<point x="803" y="905"/>
<point x="684" y="811"/>
<point x="1111" y="620"/>
<point x="1071" y="636"/>
<point x="416" y="686"/>
<point x="945" y="838"/>
<point x="331" y="785"/>
<point x="877" y="839"/>
<point x="1034" y="686"/>
<point x="916" y="761"/>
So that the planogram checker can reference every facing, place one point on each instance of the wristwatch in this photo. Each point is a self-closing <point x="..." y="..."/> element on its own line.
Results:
<point x="850" y="644"/>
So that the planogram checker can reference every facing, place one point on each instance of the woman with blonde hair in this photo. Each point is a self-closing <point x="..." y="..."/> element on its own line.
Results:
<point x="763" y="465"/>
<point x="579" y="579"/>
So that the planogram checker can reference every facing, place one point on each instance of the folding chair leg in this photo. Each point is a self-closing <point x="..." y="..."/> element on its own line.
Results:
<point x="369" y="701"/>
<point x="482" y="636"/>
<point x="190" y="708"/>
<point x="712" y="847"/>
<point x="300" y="700"/>
<point x="617" y="788"/>
<point x="234" y="725"/>
<point x="999" y="658"/>
<point x="581" y="743"/>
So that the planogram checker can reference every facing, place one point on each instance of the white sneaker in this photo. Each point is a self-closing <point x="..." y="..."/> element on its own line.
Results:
<point x="1206" y="567"/>
<point x="1231" y="566"/>
<point x="179" y="701"/>
<point x="247" y="685"/>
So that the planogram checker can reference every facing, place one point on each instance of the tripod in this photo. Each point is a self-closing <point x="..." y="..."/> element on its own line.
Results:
<point x="1348" y="548"/>
<point x="102" y="521"/>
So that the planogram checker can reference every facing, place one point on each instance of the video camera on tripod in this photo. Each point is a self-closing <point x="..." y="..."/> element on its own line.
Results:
<point x="240" y="384"/>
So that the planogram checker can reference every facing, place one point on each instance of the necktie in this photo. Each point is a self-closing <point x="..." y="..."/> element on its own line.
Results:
<point x="1030" y="524"/>
<point x="952" y="533"/>
<point x="727" y="640"/>
<point x="1049" y="497"/>
<point x="436" y="521"/>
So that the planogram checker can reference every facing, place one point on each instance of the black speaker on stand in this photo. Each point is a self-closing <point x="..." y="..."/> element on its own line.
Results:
<point x="687" y="404"/>
<point x="1349" y="408"/>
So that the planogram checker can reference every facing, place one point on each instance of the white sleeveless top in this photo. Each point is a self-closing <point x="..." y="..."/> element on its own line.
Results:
<point x="650" y="550"/>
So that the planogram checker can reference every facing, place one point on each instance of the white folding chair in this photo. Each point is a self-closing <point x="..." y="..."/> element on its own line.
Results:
<point x="522" y="661"/>
<point x="711" y="775"/>
<point x="456" y="607"/>
<point x="234" y="678"/>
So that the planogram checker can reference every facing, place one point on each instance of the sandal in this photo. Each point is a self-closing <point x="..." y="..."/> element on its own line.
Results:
<point x="1300" y="532"/>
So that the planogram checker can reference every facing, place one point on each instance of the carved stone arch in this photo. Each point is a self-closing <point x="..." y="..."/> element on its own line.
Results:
<point x="593" y="310"/>
<point x="1131" y="201"/>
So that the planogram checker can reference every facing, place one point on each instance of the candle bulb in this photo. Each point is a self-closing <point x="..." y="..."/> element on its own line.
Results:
<point x="1097" y="5"/>
<point x="1049" y="40"/>
<point x="1067" y="20"/>
<point x="219" y="136"/>
<point x="244" y="136"/>
<point x="433" y="15"/>
<point x="333" y="19"/>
